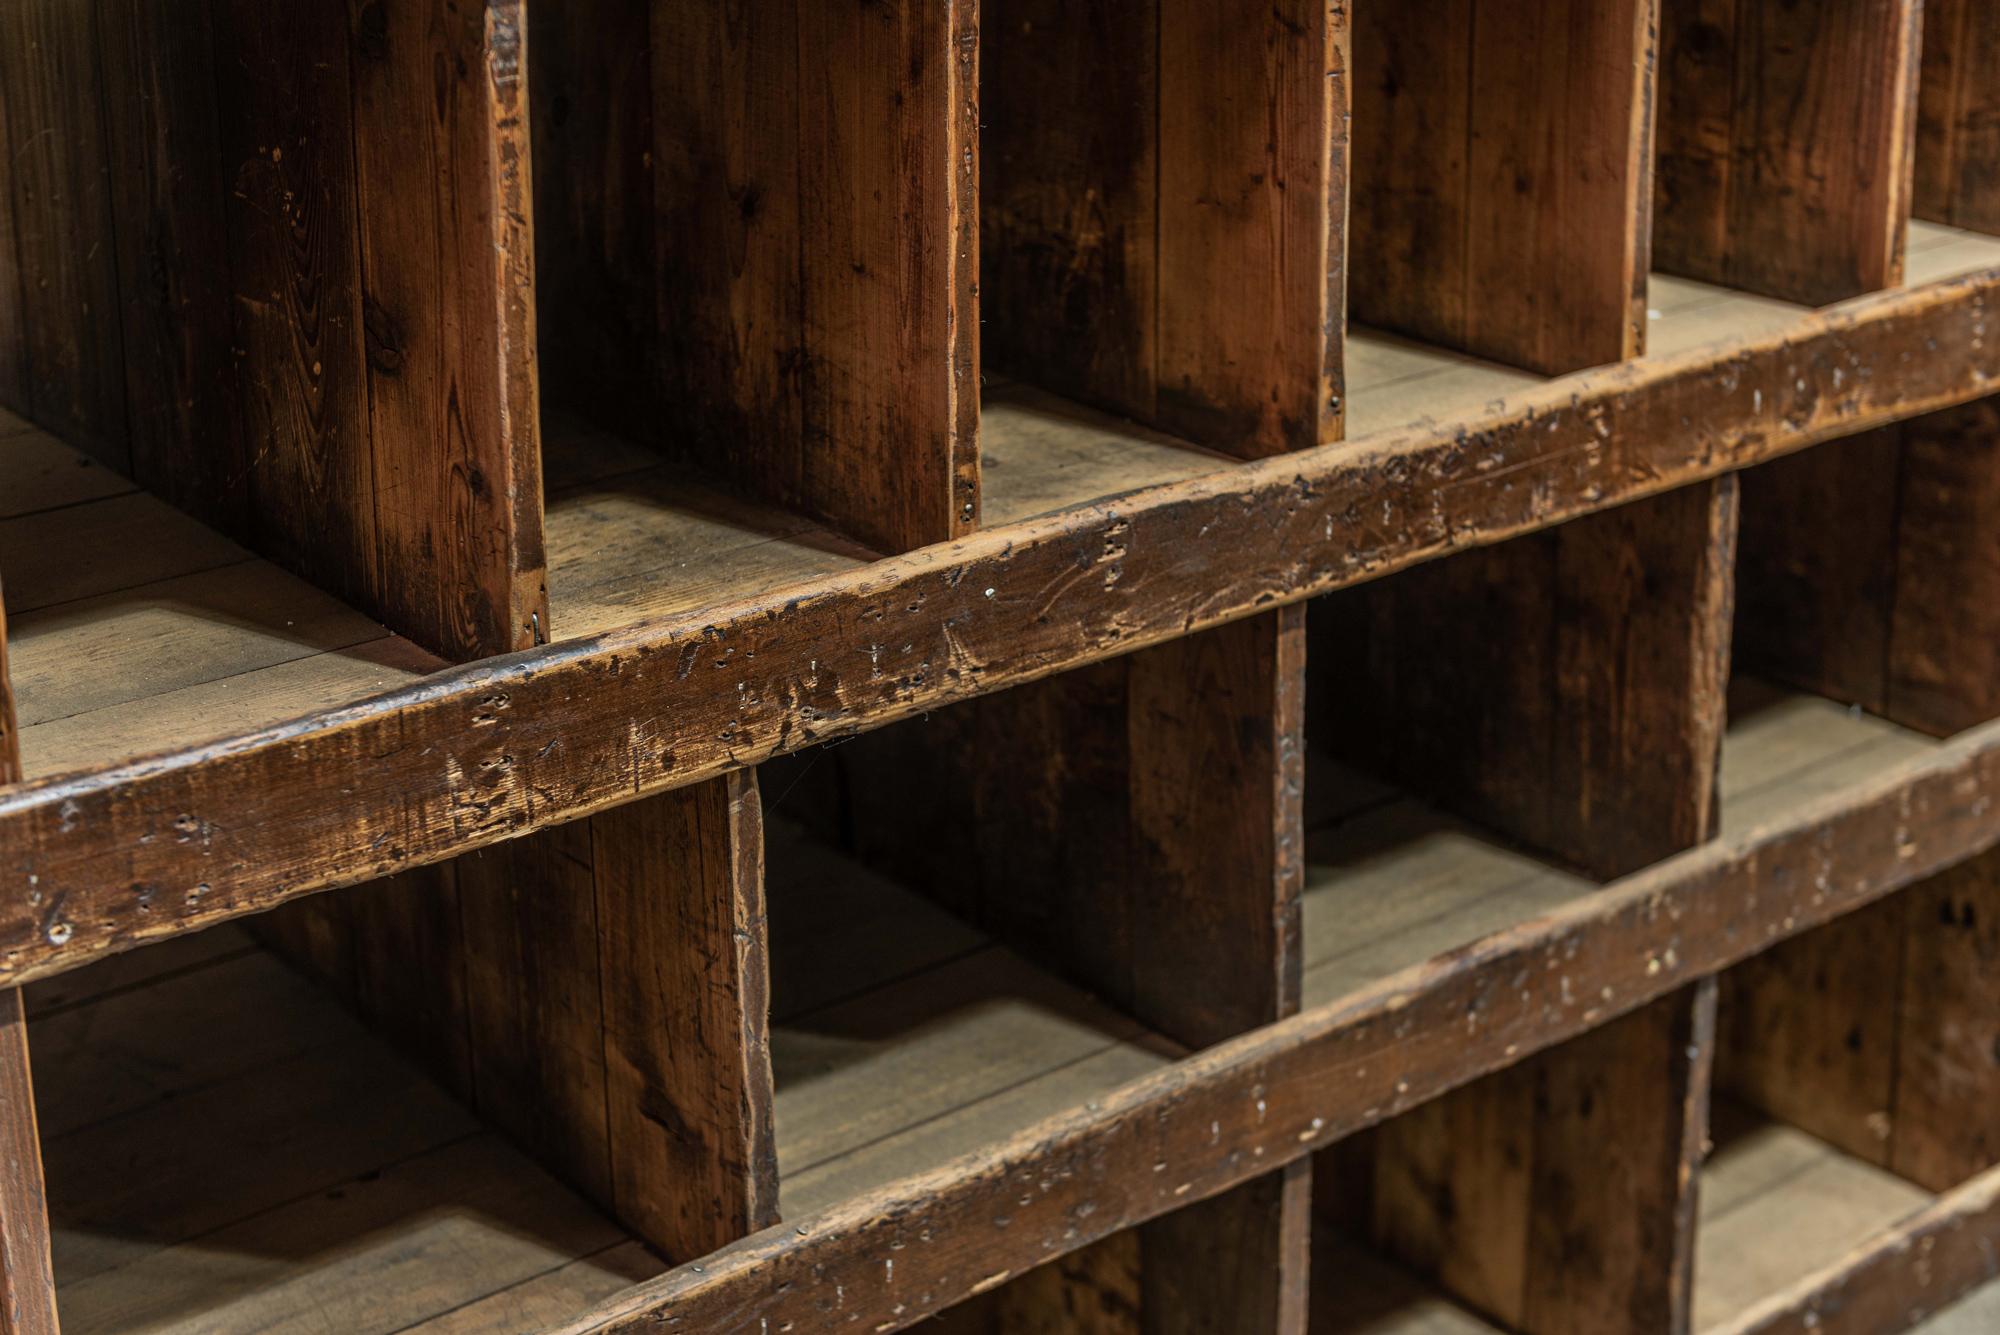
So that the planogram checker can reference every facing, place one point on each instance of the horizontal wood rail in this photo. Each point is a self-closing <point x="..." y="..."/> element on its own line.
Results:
<point x="1242" y="1109"/>
<point x="106" y="859"/>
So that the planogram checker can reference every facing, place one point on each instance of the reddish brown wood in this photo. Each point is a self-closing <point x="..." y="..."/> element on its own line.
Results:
<point x="468" y="758"/>
<point x="1958" y="116"/>
<point x="1877" y="1032"/>
<point x="1558" y="1195"/>
<point x="1785" y="144"/>
<point x="1136" y="825"/>
<point x="27" y="1283"/>
<point x="1110" y="268"/>
<point x="1234" y="1112"/>
<point x="70" y="361"/>
<point x="1869" y="567"/>
<point x="1501" y="159"/>
<point x="1566" y="688"/>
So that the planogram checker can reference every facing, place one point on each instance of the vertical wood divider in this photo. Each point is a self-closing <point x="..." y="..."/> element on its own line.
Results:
<point x="1786" y="137"/>
<point x="1870" y="570"/>
<point x="1502" y="176"/>
<point x="1184" y="763"/>
<point x="1880" y="1032"/>
<point x="1557" y="1195"/>
<point x="816" y="243"/>
<point x="1163" y="211"/>
<point x="27" y="1281"/>
<point x="1479" y="681"/>
<point x="1958" y="116"/>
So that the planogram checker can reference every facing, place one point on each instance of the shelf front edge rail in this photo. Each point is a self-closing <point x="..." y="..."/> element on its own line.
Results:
<point x="887" y="1259"/>
<point x="99" y="861"/>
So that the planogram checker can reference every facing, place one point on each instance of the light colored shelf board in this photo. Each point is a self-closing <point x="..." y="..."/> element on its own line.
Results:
<point x="297" y="1174"/>
<point x="1978" y="1313"/>
<point x="1777" y="1205"/>
<point x="1392" y="883"/>
<point x="1356" y="1292"/>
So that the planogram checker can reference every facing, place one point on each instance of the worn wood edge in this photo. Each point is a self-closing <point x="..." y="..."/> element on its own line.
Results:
<point x="107" y="859"/>
<point x="1897" y="1278"/>
<point x="889" y="1258"/>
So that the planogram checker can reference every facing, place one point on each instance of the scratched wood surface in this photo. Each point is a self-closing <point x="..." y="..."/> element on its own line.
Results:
<point x="27" y="1284"/>
<point x="1958" y="116"/>
<point x="1327" y="518"/>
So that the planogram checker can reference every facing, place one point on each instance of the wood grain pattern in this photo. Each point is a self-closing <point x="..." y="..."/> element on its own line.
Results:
<point x="1958" y="116"/>
<point x="1566" y="689"/>
<point x="1181" y="908"/>
<point x="815" y="253"/>
<point x="1558" y="1195"/>
<point x="174" y="265"/>
<point x="443" y="192"/>
<point x="870" y="645"/>
<point x="1184" y="761"/>
<point x="1865" y="567"/>
<point x="1876" y="1032"/>
<point x="69" y="312"/>
<point x="1500" y="196"/>
<point x="1236" y="1111"/>
<point x="27" y="1283"/>
<point x="1785" y="144"/>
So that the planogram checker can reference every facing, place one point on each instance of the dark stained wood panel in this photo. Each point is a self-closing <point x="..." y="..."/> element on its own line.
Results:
<point x="443" y="199"/>
<point x="1500" y="191"/>
<point x="1566" y="689"/>
<point x="1958" y="116"/>
<point x="1785" y="144"/>
<point x="1876" y="1033"/>
<point x="62" y="198"/>
<point x="27" y="1283"/>
<point x="1557" y="1195"/>
<point x="816" y="179"/>
<point x="1867" y="569"/>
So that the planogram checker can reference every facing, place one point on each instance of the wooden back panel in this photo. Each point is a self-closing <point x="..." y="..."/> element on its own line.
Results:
<point x="1785" y="135"/>
<point x="1567" y="688"/>
<point x="764" y="244"/>
<point x="286" y="278"/>
<point x="1958" y="116"/>
<point x="1162" y="210"/>
<point x="1869" y="565"/>
<point x="1501" y="179"/>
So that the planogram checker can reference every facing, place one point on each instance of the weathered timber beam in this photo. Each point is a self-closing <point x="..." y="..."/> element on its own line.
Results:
<point x="1897" y="1278"/>
<point x="1241" y="1109"/>
<point x="104" y="860"/>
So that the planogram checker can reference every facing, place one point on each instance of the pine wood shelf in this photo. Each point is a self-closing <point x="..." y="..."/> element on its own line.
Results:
<point x="999" y="667"/>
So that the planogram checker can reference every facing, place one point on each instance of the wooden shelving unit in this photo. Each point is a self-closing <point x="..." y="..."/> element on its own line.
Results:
<point x="999" y="668"/>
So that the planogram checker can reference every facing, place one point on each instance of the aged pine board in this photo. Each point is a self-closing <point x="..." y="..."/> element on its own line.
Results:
<point x="1147" y="167"/>
<point x="1866" y="567"/>
<point x="1785" y="144"/>
<point x="1566" y="688"/>
<point x="1557" y="1195"/>
<point x="798" y="153"/>
<point x="1280" y="1093"/>
<point x="1500" y="159"/>
<point x="765" y="675"/>
<point x="1958" y="109"/>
